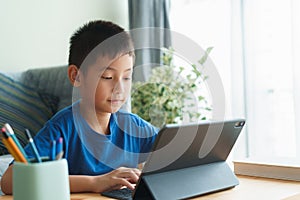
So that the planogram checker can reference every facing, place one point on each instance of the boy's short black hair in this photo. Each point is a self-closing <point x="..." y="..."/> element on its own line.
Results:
<point x="84" y="41"/>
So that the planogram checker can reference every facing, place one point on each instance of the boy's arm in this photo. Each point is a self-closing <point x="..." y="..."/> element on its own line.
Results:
<point x="6" y="181"/>
<point x="80" y="183"/>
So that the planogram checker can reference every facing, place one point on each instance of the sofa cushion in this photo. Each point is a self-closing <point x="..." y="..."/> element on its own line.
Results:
<point x="23" y="107"/>
<point x="52" y="80"/>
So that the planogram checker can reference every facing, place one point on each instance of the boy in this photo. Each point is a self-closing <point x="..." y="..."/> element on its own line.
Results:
<point x="102" y="144"/>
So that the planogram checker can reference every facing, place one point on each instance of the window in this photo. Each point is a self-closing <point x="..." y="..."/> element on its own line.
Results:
<point x="271" y="31"/>
<point x="256" y="50"/>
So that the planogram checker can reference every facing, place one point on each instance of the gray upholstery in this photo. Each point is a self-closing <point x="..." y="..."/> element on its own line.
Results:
<point x="52" y="80"/>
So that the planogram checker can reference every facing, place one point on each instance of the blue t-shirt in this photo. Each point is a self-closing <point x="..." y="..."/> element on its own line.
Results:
<point x="90" y="153"/>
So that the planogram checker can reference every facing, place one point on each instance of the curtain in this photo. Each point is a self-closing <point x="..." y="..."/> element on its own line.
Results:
<point x="149" y="25"/>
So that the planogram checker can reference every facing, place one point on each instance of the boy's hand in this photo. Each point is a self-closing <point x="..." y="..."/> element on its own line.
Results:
<point x="117" y="179"/>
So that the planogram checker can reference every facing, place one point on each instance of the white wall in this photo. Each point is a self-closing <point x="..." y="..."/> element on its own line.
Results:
<point x="35" y="33"/>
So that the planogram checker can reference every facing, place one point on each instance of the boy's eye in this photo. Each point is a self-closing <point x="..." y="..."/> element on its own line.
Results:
<point x="106" y="77"/>
<point x="127" y="78"/>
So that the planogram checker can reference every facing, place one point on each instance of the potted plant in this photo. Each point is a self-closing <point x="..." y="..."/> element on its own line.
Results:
<point x="171" y="95"/>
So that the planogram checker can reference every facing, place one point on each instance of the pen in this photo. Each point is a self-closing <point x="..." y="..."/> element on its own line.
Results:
<point x="59" y="148"/>
<point x="52" y="150"/>
<point x="9" y="129"/>
<point x="32" y="146"/>
<point x="12" y="147"/>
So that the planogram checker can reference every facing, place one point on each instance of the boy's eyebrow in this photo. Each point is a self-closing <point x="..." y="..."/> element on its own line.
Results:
<point x="110" y="68"/>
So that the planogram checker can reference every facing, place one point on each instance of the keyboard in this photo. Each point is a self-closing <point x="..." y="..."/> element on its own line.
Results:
<point x="122" y="194"/>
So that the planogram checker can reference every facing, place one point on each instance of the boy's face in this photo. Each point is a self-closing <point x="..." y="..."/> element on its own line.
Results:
<point x="108" y="89"/>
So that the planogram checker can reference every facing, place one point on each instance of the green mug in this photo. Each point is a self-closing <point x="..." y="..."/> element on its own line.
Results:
<point x="48" y="180"/>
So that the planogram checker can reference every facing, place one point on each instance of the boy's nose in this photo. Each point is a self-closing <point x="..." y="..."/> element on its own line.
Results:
<point x="119" y="87"/>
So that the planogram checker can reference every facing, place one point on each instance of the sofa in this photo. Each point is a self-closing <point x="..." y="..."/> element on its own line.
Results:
<point x="28" y="99"/>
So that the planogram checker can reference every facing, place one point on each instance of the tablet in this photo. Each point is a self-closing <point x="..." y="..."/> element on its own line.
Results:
<point x="186" y="161"/>
<point x="181" y="146"/>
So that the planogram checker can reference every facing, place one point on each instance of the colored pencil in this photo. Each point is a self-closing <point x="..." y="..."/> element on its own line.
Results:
<point x="32" y="146"/>
<point x="13" y="136"/>
<point x="59" y="148"/>
<point x="12" y="147"/>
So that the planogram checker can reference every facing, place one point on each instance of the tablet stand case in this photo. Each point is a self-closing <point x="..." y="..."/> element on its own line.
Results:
<point x="187" y="182"/>
<point x="194" y="173"/>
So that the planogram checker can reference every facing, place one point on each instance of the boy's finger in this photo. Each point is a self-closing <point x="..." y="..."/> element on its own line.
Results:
<point x="126" y="183"/>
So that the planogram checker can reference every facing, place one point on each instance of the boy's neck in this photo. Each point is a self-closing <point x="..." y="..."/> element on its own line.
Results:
<point x="99" y="122"/>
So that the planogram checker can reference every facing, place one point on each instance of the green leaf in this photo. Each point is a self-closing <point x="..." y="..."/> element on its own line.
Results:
<point x="167" y="94"/>
<point x="205" y="56"/>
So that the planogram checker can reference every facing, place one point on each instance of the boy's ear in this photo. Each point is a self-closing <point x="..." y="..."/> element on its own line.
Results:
<point x="73" y="74"/>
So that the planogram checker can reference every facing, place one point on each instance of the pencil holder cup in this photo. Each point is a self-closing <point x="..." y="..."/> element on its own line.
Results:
<point x="47" y="180"/>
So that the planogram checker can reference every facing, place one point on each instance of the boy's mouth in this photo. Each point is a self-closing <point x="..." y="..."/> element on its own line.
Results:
<point x="116" y="101"/>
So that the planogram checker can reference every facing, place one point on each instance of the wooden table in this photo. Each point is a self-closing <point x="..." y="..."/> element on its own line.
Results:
<point x="249" y="188"/>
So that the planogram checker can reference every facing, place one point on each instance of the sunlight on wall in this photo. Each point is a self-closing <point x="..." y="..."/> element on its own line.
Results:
<point x="36" y="33"/>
